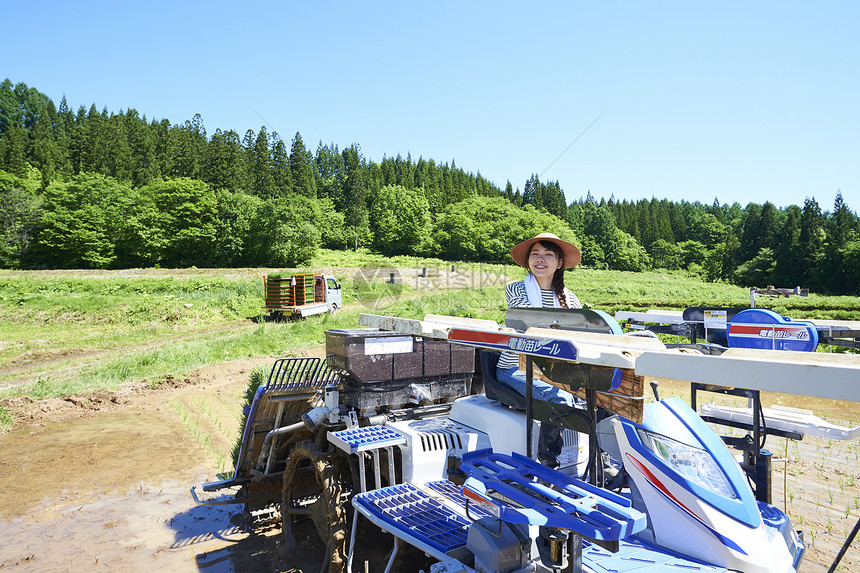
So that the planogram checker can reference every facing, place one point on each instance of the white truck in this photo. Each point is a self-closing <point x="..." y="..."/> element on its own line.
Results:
<point x="301" y="295"/>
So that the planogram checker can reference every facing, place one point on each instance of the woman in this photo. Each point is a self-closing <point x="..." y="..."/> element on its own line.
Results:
<point x="546" y="257"/>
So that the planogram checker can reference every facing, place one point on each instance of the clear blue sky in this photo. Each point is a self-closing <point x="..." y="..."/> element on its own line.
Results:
<point x="742" y="101"/>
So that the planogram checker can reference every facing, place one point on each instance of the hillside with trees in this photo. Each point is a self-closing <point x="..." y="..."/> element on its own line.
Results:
<point x="97" y="189"/>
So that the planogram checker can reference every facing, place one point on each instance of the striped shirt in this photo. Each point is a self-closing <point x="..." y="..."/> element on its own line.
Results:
<point x="517" y="297"/>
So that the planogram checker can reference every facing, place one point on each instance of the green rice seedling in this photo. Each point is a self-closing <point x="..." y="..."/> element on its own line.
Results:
<point x="6" y="419"/>
<point x="257" y="378"/>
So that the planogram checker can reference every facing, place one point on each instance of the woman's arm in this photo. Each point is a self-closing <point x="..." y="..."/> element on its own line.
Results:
<point x="572" y="301"/>
<point x="515" y="294"/>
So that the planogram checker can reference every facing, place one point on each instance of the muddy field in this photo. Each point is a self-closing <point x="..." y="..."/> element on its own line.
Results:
<point x="102" y="482"/>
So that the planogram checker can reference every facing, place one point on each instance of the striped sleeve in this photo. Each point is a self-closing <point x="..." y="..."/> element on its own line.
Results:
<point x="572" y="301"/>
<point x="515" y="294"/>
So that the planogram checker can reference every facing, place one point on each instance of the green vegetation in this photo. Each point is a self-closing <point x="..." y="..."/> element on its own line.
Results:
<point x="257" y="378"/>
<point x="98" y="190"/>
<point x="72" y="332"/>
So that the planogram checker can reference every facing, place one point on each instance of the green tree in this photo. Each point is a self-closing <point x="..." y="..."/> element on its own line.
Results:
<point x="533" y="192"/>
<point x="692" y="253"/>
<point x="141" y="141"/>
<point x="286" y="232"/>
<point x="758" y="270"/>
<point x="851" y="258"/>
<point x="660" y="221"/>
<point x="330" y="173"/>
<point x="400" y="220"/>
<point x="666" y="255"/>
<point x="842" y="225"/>
<point x="485" y="228"/>
<point x="281" y="172"/>
<point x="730" y="249"/>
<point x="553" y="199"/>
<point x="261" y="179"/>
<point x="627" y="254"/>
<point x="237" y="212"/>
<point x="302" y="169"/>
<point x="332" y="226"/>
<point x="187" y="221"/>
<point x="190" y="145"/>
<point x="769" y="226"/>
<point x="14" y="151"/>
<point x="117" y="161"/>
<point x="226" y="166"/>
<point x="707" y="229"/>
<point x="20" y="213"/>
<point x="43" y="152"/>
<point x="811" y="242"/>
<point x="82" y="222"/>
<point x="788" y="270"/>
<point x="355" y="191"/>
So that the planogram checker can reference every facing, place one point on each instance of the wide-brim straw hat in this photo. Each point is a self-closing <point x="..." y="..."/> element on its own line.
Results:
<point x="520" y="252"/>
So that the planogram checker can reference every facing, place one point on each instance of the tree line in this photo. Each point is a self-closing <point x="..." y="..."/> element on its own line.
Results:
<point x="97" y="189"/>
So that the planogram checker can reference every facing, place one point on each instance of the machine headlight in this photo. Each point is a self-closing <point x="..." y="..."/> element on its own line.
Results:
<point x="694" y="464"/>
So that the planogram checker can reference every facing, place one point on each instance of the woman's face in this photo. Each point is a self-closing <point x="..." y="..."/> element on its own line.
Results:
<point x="543" y="262"/>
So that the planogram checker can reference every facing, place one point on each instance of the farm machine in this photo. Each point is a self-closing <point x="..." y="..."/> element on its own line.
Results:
<point x="403" y="427"/>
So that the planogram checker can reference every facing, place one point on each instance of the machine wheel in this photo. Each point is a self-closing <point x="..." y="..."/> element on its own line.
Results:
<point x="333" y="310"/>
<point x="315" y="484"/>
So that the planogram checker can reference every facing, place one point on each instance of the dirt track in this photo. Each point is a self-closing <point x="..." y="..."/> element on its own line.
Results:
<point x="101" y="481"/>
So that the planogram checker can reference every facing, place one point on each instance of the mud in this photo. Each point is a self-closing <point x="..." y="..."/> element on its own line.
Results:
<point x="101" y="482"/>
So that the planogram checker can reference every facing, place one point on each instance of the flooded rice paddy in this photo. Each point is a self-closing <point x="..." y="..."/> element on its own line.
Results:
<point x="92" y="484"/>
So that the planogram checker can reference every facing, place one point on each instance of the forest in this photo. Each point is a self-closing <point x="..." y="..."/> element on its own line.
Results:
<point x="94" y="189"/>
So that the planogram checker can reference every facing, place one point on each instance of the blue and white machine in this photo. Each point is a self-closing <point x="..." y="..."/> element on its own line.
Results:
<point x="686" y="504"/>
<point x="696" y="497"/>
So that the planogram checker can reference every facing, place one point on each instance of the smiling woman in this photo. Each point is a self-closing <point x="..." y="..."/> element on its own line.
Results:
<point x="546" y="257"/>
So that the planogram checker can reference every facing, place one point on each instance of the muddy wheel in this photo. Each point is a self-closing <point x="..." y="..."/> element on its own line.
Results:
<point x="315" y="484"/>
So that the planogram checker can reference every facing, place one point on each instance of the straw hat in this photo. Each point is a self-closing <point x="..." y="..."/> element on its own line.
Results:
<point x="520" y="252"/>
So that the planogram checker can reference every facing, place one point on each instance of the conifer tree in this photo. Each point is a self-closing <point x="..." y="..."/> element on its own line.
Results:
<point x="330" y="173"/>
<point x="15" y="152"/>
<point x="281" y="173"/>
<point x="302" y="169"/>
<point x="355" y="193"/>
<point x="751" y="239"/>
<point x="842" y="231"/>
<point x="260" y="166"/>
<point x="788" y="270"/>
<point x="811" y="241"/>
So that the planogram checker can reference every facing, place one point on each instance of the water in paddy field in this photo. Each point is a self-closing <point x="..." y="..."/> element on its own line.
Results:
<point x="111" y="490"/>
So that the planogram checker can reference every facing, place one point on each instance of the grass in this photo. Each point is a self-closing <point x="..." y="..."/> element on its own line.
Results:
<point x="64" y="332"/>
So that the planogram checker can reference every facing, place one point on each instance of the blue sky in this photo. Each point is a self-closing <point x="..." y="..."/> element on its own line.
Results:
<point x="740" y="101"/>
